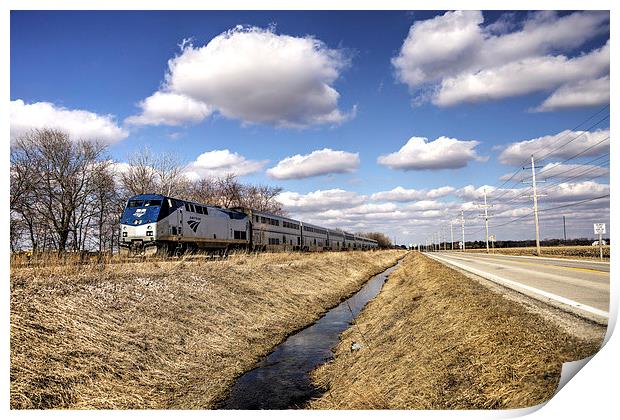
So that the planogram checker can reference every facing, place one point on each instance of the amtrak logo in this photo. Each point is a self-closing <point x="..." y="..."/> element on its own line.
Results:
<point x="193" y="224"/>
<point x="139" y="212"/>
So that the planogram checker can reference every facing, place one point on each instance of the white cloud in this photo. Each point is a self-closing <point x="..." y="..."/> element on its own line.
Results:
<point x="568" y="143"/>
<point x="583" y="93"/>
<point x="216" y="163"/>
<point x="442" y="153"/>
<point x="440" y="192"/>
<point x="163" y="108"/>
<point x="319" y="162"/>
<point x="320" y="200"/>
<point x="521" y="77"/>
<point x="401" y="194"/>
<point x="79" y="124"/>
<point x="413" y="222"/>
<point x="462" y="60"/>
<point x="427" y="205"/>
<point x="256" y="76"/>
<point x="470" y="192"/>
<point x="358" y="211"/>
<point x="575" y="191"/>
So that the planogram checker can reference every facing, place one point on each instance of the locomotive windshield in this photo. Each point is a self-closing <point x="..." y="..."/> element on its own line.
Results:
<point x="143" y="203"/>
<point x="139" y="211"/>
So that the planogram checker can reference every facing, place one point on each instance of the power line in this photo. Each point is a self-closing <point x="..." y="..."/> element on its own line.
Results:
<point x="575" y="203"/>
<point x="574" y="138"/>
<point x="583" y="172"/>
<point x="513" y="175"/>
<point x="580" y="153"/>
<point x="572" y="169"/>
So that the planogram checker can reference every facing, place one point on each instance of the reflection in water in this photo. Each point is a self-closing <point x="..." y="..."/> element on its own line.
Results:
<point x="281" y="380"/>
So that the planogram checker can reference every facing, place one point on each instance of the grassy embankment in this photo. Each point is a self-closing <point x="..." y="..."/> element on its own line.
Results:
<point x="435" y="339"/>
<point x="164" y="334"/>
<point x="579" y="252"/>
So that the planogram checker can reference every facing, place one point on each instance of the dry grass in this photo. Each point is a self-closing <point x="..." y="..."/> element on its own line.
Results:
<point x="435" y="339"/>
<point x="580" y="252"/>
<point x="164" y="334"/>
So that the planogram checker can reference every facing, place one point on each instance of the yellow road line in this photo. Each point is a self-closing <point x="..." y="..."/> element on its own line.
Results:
<point x="588" y="270"/>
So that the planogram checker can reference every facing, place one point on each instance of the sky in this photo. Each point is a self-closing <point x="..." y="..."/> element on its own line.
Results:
<point x="390" y="121"/>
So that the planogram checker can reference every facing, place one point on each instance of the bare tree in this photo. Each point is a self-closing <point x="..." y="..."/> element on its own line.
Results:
<point x="382" y="239"/>
<point x="204" y="190"/>
<point x="150" y="173"/>
<point x="262" y="197"/>
<point x="66" y="194"/>
<point x="59" y="176"/>
<point x="230" y="191"/>
<point x="139" y="177"/>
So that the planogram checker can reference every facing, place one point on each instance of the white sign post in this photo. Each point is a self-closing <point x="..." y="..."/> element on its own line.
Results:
<point x="492" y="239"/>
<point x="599" y="228"/>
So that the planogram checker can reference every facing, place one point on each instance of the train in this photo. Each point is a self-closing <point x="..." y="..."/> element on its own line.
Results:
<point x="154" y="224"/>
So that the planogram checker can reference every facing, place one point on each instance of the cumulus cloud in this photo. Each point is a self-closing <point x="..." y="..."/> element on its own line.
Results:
<point x="216" y="163"/>
<point x="470" y="192"/>
<point x="588" y="143"/>
<point x="79" y="124"/>
<point x="575" y="191"/>
<point x="256" y="76"/>
<point x="320" y="200"/>
<point x="583" y="93"/>
<point x="522" y="77"/>
<point x="442" y="153"/>
<point x="461" y="60"/>
<point x="401" y="194"/>
<point x="415" y="221"/>
<point x="165" y="108"/>
<point x="319" y="162"/>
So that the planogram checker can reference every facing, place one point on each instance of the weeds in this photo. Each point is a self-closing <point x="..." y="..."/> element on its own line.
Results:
<point x="164" y="334"/>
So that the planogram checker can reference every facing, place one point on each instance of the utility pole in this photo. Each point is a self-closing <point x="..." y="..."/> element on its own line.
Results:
<point x="486" y="216"/>
<point x="535" y="196"/>
<point x="445" y="239"/>
<point x="463" y="229"/>
<point x="451" y="237"/>
<point x="535" y="207"/>
<point x="564" y="221"/>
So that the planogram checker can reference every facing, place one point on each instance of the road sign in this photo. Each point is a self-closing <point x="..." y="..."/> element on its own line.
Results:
<point x="599" y="228"/>
<point x="492" y="238"/>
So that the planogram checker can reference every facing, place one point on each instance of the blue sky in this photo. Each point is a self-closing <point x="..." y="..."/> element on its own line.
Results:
<point x="106" y="63"/>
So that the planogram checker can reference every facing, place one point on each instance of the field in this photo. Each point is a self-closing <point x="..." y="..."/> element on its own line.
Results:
<point x="164" y="334"/>
<point x="584" y="252"/>
<point x="435" y="339"/>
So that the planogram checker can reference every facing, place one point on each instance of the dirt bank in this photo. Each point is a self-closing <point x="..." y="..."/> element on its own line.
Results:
<point x="164" y="334"/>
<point x="435" y="339"/>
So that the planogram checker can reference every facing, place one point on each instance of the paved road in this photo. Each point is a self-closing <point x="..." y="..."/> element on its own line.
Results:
<point x="577" y="285"/>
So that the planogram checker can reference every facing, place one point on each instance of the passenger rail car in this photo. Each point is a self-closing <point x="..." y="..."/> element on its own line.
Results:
<point x="156" y="224"/>
<point x="335" y="239"/>
<point x="314" y="238"/>
<point x="272" y="232"/>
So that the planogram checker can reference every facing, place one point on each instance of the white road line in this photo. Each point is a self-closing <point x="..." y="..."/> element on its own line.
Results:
<point x="536" y="258"/>
<point x="514" y="284"/>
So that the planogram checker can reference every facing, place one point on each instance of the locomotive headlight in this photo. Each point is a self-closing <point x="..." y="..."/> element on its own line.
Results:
<point x="149" y="233"/>
<point x="124" y="234"/>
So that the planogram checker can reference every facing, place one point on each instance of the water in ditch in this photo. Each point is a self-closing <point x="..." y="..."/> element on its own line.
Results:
<point x="281" y="380"/>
